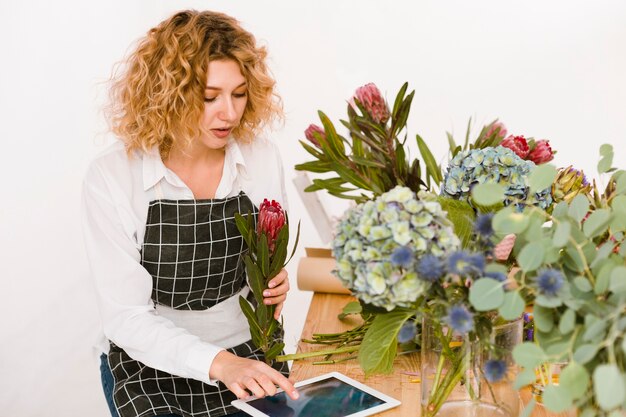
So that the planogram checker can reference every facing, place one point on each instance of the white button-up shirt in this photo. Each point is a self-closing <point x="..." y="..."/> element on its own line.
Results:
<point x="116" y="192"/>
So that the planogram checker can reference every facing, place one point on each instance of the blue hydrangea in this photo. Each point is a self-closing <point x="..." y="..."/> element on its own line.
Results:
<point x="430" y="268"/>
<point x="500" y="165"/>
<point x="549" y="281"/>
<point x="460" y="319"/>
<point x="494" y="370"/>
<point x="373" y="242"/>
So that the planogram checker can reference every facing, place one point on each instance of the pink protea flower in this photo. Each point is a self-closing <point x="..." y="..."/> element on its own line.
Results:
<point x="310" y="131"/>
<point x="542" y="152"/>
<point x="271" y="221"/>
<point x="517" y="144"/>
<point x="494" y="127"/>
<point x="369" y="96"/>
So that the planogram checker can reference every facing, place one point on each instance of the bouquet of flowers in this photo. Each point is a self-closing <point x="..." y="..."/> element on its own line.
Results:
<point x="267" y="243"/>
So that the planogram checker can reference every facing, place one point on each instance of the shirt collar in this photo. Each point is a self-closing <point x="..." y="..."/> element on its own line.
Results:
<point x="154" y="170"/>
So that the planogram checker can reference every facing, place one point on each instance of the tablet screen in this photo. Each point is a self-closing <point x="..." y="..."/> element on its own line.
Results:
<point x="326" y="398"/>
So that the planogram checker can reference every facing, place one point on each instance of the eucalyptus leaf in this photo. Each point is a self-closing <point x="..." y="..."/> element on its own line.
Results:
<point x="561" y="234"/>
<point x="486" y="294"/>
<point x="543" y="318"/>
<point x="529" y="355"/>
<point x="567" y="322"/>
<point x="560" y="210"/>
<point x="588" y="412"/>
<point x="548" y="302"/>
<point x="508" y="221"/>
<point x="488" y="194"/>
<point x="618" y="280"/>
<point x="585" y="353"/>
<point x="597" y="223"/>
<point x="603" y="280"/>
<point x="512" y="306"/>
<point x="575" y="379"/>
<point x="529" y="408"/>
<point x="595" y="331"/>
<point x="541" y="177"/>
<point x="608" y="386"/>
<point x="524" y="378"/>
<point x="531" y="256"/>
<point x="578" y="208"/>
<point x="556" y="398"/>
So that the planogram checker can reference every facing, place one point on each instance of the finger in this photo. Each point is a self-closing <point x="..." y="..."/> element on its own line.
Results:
<point x="283" y="288"/>
<point x="238" y="391"/>
<point x="285" y="384"/>
<point x="253" y="386"/>
<point x="266" y="383"/>
<point x="275" y="300"/>
<point x="279" y="309"/>
<point x="278" y="279"/>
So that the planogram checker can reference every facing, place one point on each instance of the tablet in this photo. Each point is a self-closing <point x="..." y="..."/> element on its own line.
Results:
<point x="328" y="395"/>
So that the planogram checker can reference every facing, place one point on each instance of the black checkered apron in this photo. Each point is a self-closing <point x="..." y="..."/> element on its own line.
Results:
<point x="193" y="250"/>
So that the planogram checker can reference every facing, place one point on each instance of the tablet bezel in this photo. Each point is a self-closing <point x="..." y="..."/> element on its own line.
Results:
<point x="389" y="401"/>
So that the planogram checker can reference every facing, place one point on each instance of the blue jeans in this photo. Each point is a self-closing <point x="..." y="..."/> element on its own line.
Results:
<point x="107" y="386"/>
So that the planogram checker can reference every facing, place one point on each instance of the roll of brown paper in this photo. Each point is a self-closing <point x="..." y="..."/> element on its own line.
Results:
<point x="314" y="274"/>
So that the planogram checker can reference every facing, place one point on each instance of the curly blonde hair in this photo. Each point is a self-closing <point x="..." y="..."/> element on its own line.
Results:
<point x="158" y="98"/>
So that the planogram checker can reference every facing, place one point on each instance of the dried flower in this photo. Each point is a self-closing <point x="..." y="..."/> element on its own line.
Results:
<point x="568" y="184"/>
<point x="312" y="131"/>
<point x="541" y="153"/>
<point x="271" y="221"/>
<point x="460" y="319"/>
<point x="369" y="96"/>
<point x="517" y="144"/>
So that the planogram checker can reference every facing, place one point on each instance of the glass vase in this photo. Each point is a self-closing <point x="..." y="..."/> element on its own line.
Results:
<point x="453" y="378"/>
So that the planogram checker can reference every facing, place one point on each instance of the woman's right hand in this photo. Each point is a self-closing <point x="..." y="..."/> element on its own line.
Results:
<point x="241" y="374"/>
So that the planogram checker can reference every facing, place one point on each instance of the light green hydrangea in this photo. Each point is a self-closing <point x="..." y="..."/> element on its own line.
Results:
<point x="369" y="234"/>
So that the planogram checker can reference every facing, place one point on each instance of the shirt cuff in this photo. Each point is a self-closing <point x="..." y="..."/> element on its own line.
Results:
<point x="199" y="361"/>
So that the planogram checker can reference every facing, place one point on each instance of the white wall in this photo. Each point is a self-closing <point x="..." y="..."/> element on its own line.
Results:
<point x="551" y="70"/>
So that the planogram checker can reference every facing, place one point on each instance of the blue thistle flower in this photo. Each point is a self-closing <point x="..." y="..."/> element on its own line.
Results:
<point x="494" y="370"/>
<point x="483" y="226"/>
<point x="463" y="263"/>
<point x="407" y="332"/>
<point x="402" y="256"/>
<point x="430" y="268"/>
<point x="460" y="319"/>
<point x="497" y="275"/>
<point x="550" y="281"/>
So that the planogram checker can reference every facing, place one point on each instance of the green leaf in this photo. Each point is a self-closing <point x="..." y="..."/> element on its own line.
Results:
<point x="462" y="216"/>
<point x="513" y="306"/>
<point x="353" y="307"/>
<point x="624" y="345"/>
<point x="585" y="353"/>
<point x="541" y="177"/>
<point x="556" y="398"/>
<point x="263" y="256"/>
<point x="597" y="223"/>
<point x="620" y="182"/>
<point x="578" y="208"/>
<point x="567" y="322"/>
<point x="608" y="386"/>
<point x="379" y="345"/>
<point x="488" y="194"/>
<point x="531" y="256"/>
<point x="603" y="279"/>
<point x="588" y="412"/>
<point x="255" y="330"/>
<point x="582" y="284"/>
<point x="432" y="168"/>
<point x="618" y="280"/>
<point x="574" y="379"/>
<point x="526" y="377"/>
<point x="548" y="302"/>
<point x="274" y="351"/>
<point x="605" y="163"/>
<point x="486" y="294"/>
<point x="508" y="221"/>
<point x="561" y="234"/>
<point x="528" y="355"/>
<point x="543" y="318"/>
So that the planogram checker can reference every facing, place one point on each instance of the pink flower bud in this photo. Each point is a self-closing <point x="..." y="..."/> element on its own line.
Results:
<point x="494" y="127"/>
<point x="504" y="248"/>
<point x="271" y="221"/>
<point x="310" y="134"/>
<point x="369" y="96"/>
<point x="517" y="144"/>
<point x="542" y="152"/>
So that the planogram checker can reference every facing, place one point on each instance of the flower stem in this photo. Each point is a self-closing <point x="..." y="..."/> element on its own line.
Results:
<point x="296" y="356"/>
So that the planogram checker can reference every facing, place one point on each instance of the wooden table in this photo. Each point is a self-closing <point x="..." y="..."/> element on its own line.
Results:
<point x="322" y="318"/>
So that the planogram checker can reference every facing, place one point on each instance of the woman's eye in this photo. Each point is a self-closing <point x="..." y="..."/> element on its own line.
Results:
<point x="209" y="99"/>
<point x="240" y="95"/>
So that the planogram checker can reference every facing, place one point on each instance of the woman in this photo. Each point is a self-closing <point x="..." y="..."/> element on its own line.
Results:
<point x="158" y="212"/>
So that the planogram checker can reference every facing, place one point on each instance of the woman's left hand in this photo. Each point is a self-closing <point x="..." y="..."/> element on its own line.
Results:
<point x="277" y="292"/>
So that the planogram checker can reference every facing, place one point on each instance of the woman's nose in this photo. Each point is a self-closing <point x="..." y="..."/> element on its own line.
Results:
<point x="227" y="111"/>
